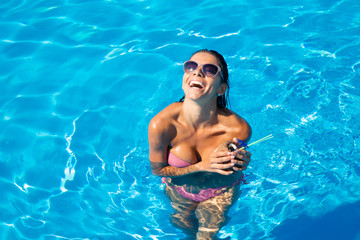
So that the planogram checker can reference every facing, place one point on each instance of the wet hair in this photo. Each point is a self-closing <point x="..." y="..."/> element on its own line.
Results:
<point x="222" y="100"/>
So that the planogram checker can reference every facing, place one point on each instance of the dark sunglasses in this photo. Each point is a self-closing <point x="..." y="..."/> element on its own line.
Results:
<point x="210" y="70"/>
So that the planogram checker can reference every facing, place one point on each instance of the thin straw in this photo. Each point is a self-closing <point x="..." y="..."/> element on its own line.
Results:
<point x="260" y="140"/>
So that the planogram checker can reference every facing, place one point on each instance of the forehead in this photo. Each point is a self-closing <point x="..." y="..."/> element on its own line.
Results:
<point x="203" y="58"/>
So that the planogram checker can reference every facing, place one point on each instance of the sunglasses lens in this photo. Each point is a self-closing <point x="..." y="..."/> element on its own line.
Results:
<point x="210" y="70"/>
<point x="190" y="66"/>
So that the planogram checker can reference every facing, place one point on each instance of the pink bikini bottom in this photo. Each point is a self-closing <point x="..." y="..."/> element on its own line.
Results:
<point x="203" y="194"/>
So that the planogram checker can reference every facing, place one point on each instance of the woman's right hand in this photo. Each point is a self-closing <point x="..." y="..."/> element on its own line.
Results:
<point x="220" y="162"/>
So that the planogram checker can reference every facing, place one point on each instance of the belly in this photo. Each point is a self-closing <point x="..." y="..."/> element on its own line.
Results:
<point x="198" y="181"/>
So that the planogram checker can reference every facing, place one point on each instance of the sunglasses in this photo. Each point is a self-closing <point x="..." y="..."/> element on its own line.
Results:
<point x="210" y="70"/>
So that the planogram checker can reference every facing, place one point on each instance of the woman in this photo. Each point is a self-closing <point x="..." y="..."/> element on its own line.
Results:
<point x="188" y="148"/>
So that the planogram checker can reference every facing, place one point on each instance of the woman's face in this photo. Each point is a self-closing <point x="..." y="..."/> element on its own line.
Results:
<point x="197" y="85"/>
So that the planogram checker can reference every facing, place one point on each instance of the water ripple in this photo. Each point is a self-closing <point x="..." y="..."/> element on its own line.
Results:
<point x="81" y="80"/>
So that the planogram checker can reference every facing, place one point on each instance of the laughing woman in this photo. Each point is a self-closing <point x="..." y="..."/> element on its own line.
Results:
<point x="188" y="147"/>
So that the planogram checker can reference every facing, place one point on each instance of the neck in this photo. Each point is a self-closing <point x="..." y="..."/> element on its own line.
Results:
<point x="198" y="115"/>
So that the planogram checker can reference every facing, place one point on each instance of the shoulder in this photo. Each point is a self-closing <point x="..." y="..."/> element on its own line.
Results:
<point x="163" y="121"/>
<point x="238" y="126"/>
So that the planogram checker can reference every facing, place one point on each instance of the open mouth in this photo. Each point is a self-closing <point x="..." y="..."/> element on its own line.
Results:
<point x="196" y="84"/>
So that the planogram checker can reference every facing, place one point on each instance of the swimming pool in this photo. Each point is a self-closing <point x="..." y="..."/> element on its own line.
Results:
<point x="81" y="80"/>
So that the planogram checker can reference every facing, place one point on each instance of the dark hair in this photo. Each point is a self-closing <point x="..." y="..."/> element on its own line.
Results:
<point x="222" y="100"/>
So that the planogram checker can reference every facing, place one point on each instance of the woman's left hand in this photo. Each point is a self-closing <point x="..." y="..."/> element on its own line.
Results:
<point x="242" y="158"/>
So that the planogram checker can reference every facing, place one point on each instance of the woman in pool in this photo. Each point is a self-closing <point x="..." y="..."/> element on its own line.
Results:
<point x="188" y="148"/>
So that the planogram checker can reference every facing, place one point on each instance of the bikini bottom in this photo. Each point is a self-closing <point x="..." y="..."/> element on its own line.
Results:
<point x="204" y="194"/>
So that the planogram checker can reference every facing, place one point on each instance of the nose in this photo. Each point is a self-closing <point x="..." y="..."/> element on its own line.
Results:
<point x="198" y="71"/>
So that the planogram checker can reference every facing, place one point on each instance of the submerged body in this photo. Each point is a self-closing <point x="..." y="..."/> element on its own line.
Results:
<point x="187" y="149"/>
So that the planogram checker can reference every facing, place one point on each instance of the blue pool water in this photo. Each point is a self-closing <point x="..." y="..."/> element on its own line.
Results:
<point x="80" y="80"/>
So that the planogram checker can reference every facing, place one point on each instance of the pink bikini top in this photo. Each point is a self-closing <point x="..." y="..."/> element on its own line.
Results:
<point x="203" y="194"/>
<point x="177" y="162"/>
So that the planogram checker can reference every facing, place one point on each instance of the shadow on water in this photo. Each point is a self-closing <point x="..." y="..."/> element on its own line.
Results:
<point x="341" y="224"/>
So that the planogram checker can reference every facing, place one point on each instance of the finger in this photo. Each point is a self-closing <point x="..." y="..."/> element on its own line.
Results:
<point x="244" y="155"/>
<point x="244" y="152"/>
<point x="237" y="169"/>
<point x="220" y="154"/>
<point x="222" y="165"/>
<point x="222" y="159"/>
<point x="247" y="153"/>
<point x="240" y="168"/>
<point x="241" y="164"/>
<point x="243" y="158"/>
<point x="241" y="155"/>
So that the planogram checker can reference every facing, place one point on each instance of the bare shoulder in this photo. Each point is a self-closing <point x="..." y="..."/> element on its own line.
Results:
<point x="162" y="122"/>
<point x="237" y="125"/>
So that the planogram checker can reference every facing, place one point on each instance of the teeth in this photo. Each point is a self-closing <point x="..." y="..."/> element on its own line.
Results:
<point x="196" y="84"/>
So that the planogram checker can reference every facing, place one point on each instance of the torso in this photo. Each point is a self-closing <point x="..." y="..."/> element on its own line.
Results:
<point x="194" y="145"/>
